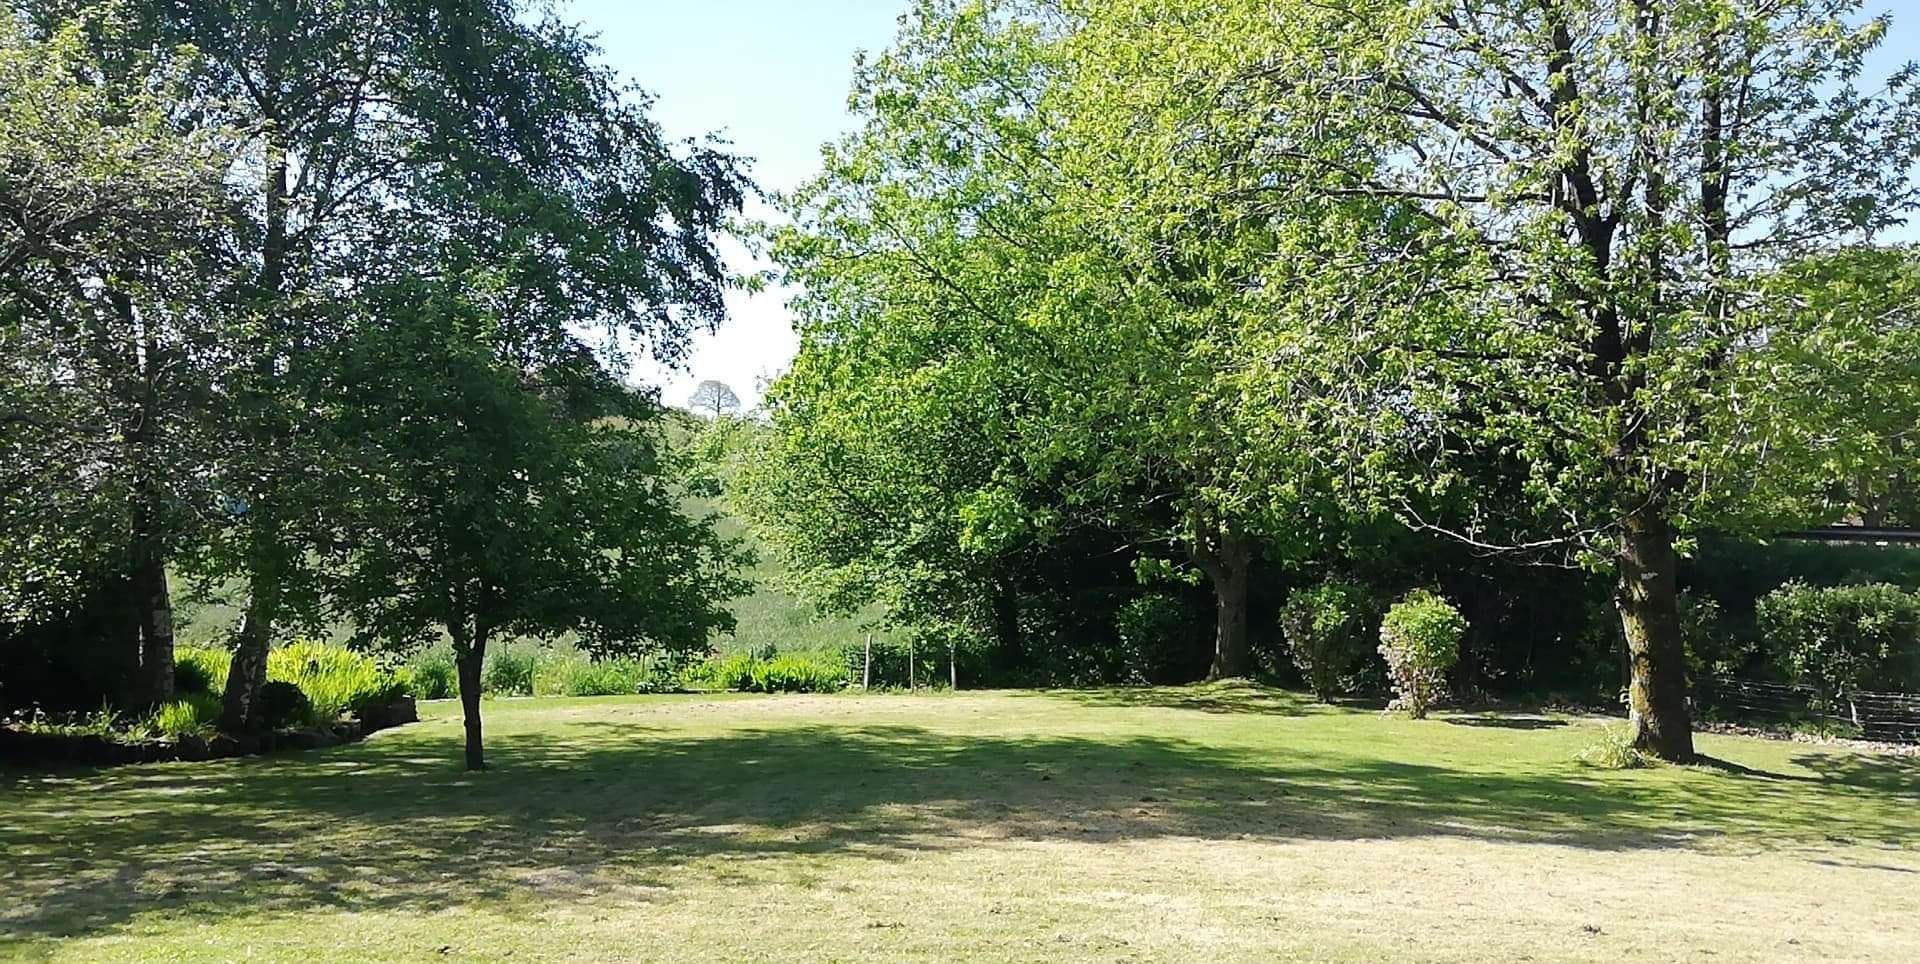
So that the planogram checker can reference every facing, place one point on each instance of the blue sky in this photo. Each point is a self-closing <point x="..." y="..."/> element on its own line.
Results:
<point x="769" y="75"/>
<point x="772" y="76"/>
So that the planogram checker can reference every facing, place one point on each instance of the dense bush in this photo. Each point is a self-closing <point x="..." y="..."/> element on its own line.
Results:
<point x="1420" y="640"/>
<point x="509" y="670"/>
<point x="281" y="704"/>
<point x="433" y="675"/>
<point x="1843" y="639"/>
<point x="200" y="670"/>
<point x="334" y="679"/>
<point x="1325" y="627"/>
<point x="1157" y="633"/>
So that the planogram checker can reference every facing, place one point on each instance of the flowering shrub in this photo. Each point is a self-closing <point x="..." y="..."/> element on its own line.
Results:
<point x="1420" y="640"/>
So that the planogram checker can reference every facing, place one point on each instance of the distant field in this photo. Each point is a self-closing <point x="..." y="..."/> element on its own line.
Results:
<point x="1206" y="823"/>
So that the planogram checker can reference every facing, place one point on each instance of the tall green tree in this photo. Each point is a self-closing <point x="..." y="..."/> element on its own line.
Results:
<point x="359" y="120"/>
<point x="1060" y="379"/>
<point x="109" y="344"/>
<point x="502" y="489"/>
<point x="1514" y="231"/>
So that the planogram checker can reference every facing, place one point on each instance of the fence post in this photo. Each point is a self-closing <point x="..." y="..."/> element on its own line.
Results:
<point x="910" y="659"/>
<point x="866" y="675"/>
<point x="953" y="665"/>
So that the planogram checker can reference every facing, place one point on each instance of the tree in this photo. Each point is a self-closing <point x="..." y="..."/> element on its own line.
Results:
<point x="714" y="398"/>
<point x="108" y="346"/>
<point x="357" y="121"/>
<point x="523" y="496"/>
<point x="1514" y="232"/>
<point x="495" y="476"/>
<point x="1059" y="385"/>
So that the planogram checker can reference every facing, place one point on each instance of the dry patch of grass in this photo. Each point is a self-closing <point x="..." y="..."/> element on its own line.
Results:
<point x="1225" y="822"/>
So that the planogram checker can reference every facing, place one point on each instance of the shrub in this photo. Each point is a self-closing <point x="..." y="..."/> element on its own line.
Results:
<point x="1843" y="639"/>
<point x="1420" y="640"/>
<point x="193" y="716"/>
<point x="579" y="676"/>
<point x="733" y="671"/>
<point x="1325" y="628"/>
<point x="797" y="673"/>
<point x="509" y="671"/>
<point x="1156" y="633"/>
<point x="789" y="673"/>
<point x="1613" y="749"/>
<point x="334" y="679"/>
<point x="281" y="704"/>
<point x="434" y="674"/>
<point x="200" y="670"/>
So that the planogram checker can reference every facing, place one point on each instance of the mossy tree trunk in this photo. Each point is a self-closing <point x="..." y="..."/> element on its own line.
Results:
<point x="1647" y="597"/>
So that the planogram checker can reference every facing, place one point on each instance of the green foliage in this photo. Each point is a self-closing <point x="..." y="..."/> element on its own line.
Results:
<point x="109" y="346"/>
<point x="891" y="661"/>
<point x="282" y="704"/>
<point x="510" y="669"/>
<point x="797" y="673"/>
<point x="333" y="679"/>
<point x="1157" y="635"/>
<point x="1843" y="639"/>
<point x="193" y="716"/>
<point x="434" y="675"/>
<point x="1326" y="628"/>
<point x="200" y="670"/>
<point x="729" y="671"/>
<point x="1613" y="749"/>
<point x="576" y="675"/>
<point x="1714" y="644"/>
<point x="783" y="673"/>
<point x="1420" y="640"/>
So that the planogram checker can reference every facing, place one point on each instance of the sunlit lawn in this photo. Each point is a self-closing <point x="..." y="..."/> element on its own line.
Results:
<point x="1188" y="824"/>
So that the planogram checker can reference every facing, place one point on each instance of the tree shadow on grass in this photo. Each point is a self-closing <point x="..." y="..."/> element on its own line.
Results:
<point x="1507" y="722"/>
<point x="1885" y="774"/>
<point x="618" y="811"/>
<point x="1229" y="696"/>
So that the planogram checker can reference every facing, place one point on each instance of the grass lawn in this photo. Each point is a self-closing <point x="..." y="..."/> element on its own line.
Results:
<point x="1180" y="824"/>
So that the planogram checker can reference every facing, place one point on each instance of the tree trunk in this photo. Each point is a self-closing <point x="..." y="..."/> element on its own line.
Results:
<point x="471" y="655"/>
<point x="247" y="672"/>
<point x="1228" y="566"/>
<point x="156" y="626"/>
<point x="1648" y="599"/>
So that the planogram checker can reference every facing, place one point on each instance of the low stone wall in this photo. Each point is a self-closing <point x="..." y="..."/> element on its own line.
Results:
<point x="52" y="748"/>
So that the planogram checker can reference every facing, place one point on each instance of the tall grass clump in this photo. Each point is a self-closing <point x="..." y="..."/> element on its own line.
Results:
<point x="785" y="673"/>
<point x="1613" y="749"/>
<point x="199" y="670"/>
<point x="193" y="715"/>
<point x="335" y="680"/>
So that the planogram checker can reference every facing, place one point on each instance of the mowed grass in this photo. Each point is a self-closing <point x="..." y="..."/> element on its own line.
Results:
<point x="1215" y="823"/>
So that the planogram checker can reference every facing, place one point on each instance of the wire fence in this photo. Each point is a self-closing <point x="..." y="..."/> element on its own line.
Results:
<point x="1886" y="717"/>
